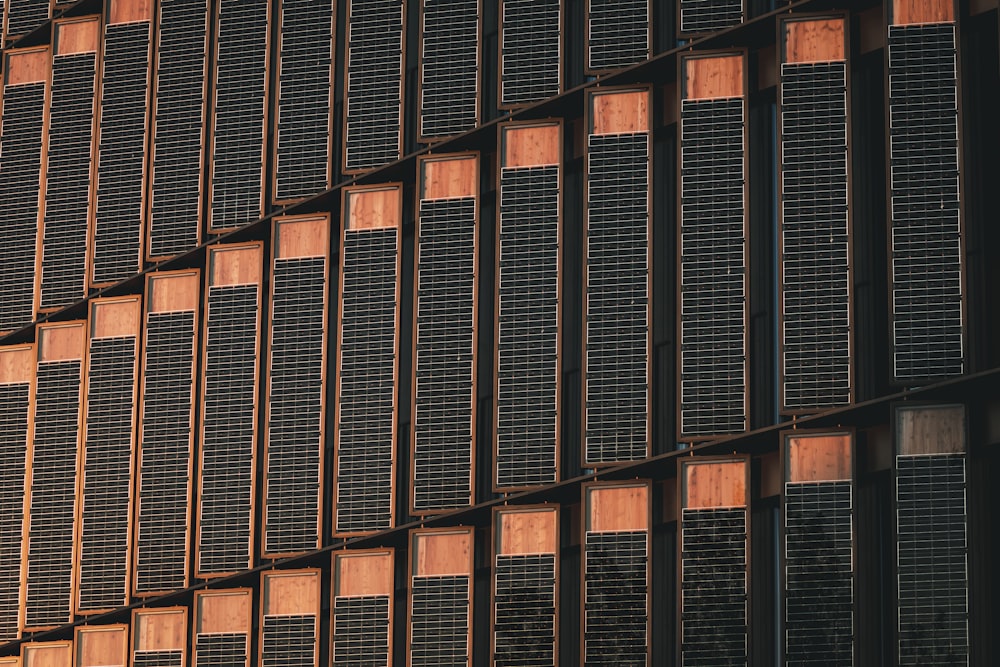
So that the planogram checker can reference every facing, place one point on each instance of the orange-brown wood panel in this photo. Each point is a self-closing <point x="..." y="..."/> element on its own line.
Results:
<point x="373" y="208"/>
<point x="173" y="291"/>
<point x="159" y="629"/>
<point x="124" y="11"/>
<point x="363" y="573"/>
<point x="930" y="430"/>
<point x="528" y="531"/>
<point x="77" y="35"/>
<point x="63" y="341"/>
<point x="301" y="237"/>
<point x="17" y="364"/>
<point x="12" y="661"/>
<point x="617" y="508"/>
<point x="710" y="484"/>
<point x="713" y="77"/>
<point x="531" y="145"/>
<point x="290" y="593"/>
<point x="814" y="40"/>
<point x="115" y="317"/>
<point x="236" y="264"/>
<point x="443" y="177"/>
<point x="222" y="611"/>
<point x="102" y="646"/>
<point x="47" y="654"/>
<point x="819" y="457"/>
<point x="442" y="553"/>
<point x="620" y="112"/>
<point x="26" y="66"/>
<point x="910" y="12"/>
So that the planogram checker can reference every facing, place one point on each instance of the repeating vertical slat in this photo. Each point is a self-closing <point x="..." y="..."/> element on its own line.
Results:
<point x="617" y="33"/>
<point x="449" y="67"/>
<point x="531" y="51"/>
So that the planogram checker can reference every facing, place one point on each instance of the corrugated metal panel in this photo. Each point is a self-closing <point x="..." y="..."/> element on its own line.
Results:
<point x="618" y="32"/>
<point x="531" y="53"/>
<point x="13" y="452"/>
<point x="616" y="598"/>
<point x="449" y="67"/>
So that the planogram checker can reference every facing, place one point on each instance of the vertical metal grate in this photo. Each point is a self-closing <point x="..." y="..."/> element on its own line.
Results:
<point x="107" y="475"/>
<point x="815" y="250"/>
<point x="374" y="83"/>
<point x="439" y="621"/>
<point x="927" y="268"/>
<point x="295" y="404"/>
<point x="53" y="494"/>
<point x="23" y="16"/>
<point x="442" y="458"/>
<point x="221" y="649"/>
<point x="228" y="426"/>
<point x="20" y="177"/>
<point x="122" y="153"/>
<point x="714" y="587"/>
<point x="531" y="36"/>
<point x="67" y="179"/>
<point x="449" y="67"/>
<point x="615" y="598"/>
<point x="289" y="641"/>
<point x="528" y="330"/>
<point x="179" y="117"/>
<point x="699" y="16"/>
<point x="819" y="573"/>
<point x="238" y="128"/>
<point x="366" y="383"/>
<point x="13" y="452"/>
<point x="524" y="607"/>
<point x="931" y="560"/>
<point x="713" y="268"/>
<point x="302" y="164"/>
<point x="360" y="631"/>
<point x="164" y="485"/>
<point x="618" y="33"/>
<point x="158" y="658"/>
<point x="617" y="299"/>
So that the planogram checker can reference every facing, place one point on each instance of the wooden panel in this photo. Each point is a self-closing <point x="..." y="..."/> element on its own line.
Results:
<point x="713" y="77"/>
<point x="930" y="430"/>
<point x="17" y="364"/>
<point x="908" y="12"/>
<point x="373" y="208"/>
<point x="159" y="629"/>
<point x="27" y="66"/>
<point x="821" y="40"/>
<point x="222" y="611"/>
<point x="528" y="531"/>
<point x="442" y="178"/>
<point x="532" y="146"/>
<point x="115" y="317"/>
<point x="12" y="661"/>
<point x="302" y="237"/>
<point x="236" y="265"/>
<point x="617" y="508"/>
<point x="77" y="36"/>
<point x="439" y="554"/>
<point x="819" y="458"/>
<point x="366" y="573"/>
<point x="59" y="342"/>
<point x="47" y="654"/>
<point x="712" y="484"/>
<point x="172" y="292"/>
<point x="123" y="11"/>
<point x="101" y="646"/>
<point x="621" y="113"/>
<point x="290" y="593"/>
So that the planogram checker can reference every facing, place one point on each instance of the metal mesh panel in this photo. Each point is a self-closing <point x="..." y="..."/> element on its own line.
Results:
<point x="449" y="67"/>
<point x="23" y="16"/>
<point x="164" y="485"/>
<point x="527" y="336"/>
<point x="707" y="15"/>
<point x="179" y="112"/>
<point x="927" y="317"/>
<point x="224" y="649"/>
<point x="617" y="301"/>
<point x="931" y="553"/>
<point x="104" y="551"/>
<point x="366" y="382"/>
<point x="439" y="621"/>
<point x="713" y="268"/>
<point x="158" y="658"/>
<point x="67" y="179"/>
<point x="122" y="152"/>
<point x="442" y="459"/>
<point x="229" y="423"/>
<point x="302" y="163"/>
<point x="289" y="641"/>
<point x="20" y="175"/>
<point x="530" y="51"/>
<point x="374" y="92"/>
<point x="13" y="450"/>
<point x="238" y="132"/>
<point x="619" y="33"/>
<point x="615" y="598"/>
<point x="524" y="606"/>
<point x="361" y="631"/>
<point x="295" y="405"/>
<point x="53" y="493"/>
<point x="714" y="586"/>
<point x="819" y="574"/>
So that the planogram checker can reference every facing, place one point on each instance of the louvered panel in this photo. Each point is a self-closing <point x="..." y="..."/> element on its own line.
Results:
<point x="159" y="637"/>
<point x="815" y="237"/>
<point x="220" y="649"/>
<point x="23" y="16"/>
<point x="67" y="179"/>
<point x="713" y="268"/>
<point x="617" y="298"/>
<point x="699" y="16"/>
<point x="926" y="229"/>
<point x="528" y="330"/>
<point x="615" y="598"/>
<point x="302" y="162"/>
<point x="442" y="458"/>
<point x="14" y="416"/>
<point x="20" y="178"/>
<point x="531" y="51"/>
<point x="361" y="631"/>
<point x="238" y="129"/>
<point x="439" y="621"/>
<point x="714" y="586"/>
<point x="449" y="67"/>
<point x="178" y="121"/>
<point x="931" y="560"/>
<point x="617" y="33"/>
<point x="372" y="119"/>
<point x="819" y="573"/>
<point x="158" y="658"/>
<point x="289" y="641"/>
<point x="524" y="607"/>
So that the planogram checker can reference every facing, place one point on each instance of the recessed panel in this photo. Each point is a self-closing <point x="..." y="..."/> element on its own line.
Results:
<point x="362" y="608"/>
<point x="222" y="628"/>
<point x="440" y="601"/>
<point x="102" y="646"/>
